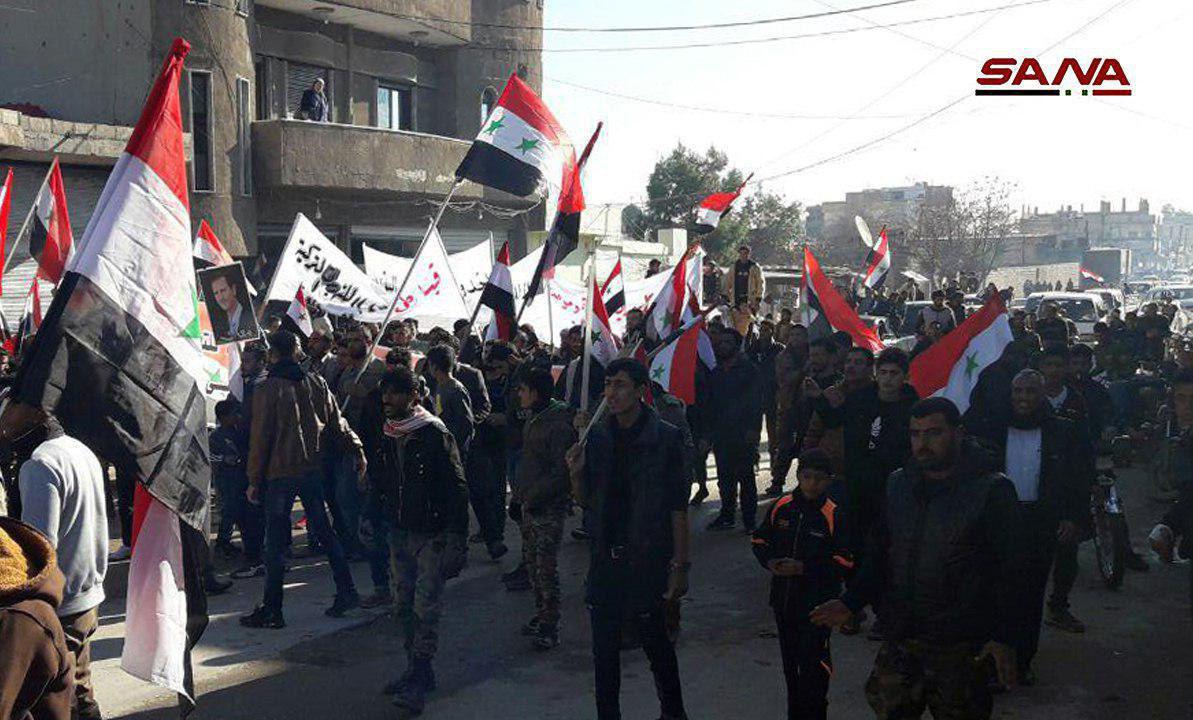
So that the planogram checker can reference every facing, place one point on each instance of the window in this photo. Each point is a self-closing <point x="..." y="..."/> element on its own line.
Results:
<point x="488" y="100"/>
<point x="261" y="77"/>
<point x="202" y="168"/>
<point x="244" y="115"/>
<point x="393" y="108"/>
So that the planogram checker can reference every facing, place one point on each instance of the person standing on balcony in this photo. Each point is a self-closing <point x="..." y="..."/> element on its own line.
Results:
<point x="313" y="105"/>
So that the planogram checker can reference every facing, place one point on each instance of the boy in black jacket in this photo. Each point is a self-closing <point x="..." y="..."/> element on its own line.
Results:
<point x="802" y="543"/>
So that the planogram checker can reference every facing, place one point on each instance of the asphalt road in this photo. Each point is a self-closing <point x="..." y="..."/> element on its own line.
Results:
<point x="1134" y="661"/>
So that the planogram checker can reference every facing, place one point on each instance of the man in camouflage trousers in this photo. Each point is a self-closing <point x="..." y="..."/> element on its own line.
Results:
<point x="542" y="487"/>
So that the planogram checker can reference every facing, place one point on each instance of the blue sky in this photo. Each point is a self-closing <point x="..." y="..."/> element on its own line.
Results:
<point x="1057" y="150"/>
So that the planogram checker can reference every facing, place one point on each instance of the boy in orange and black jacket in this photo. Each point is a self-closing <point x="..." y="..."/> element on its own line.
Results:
<point x="803" y="544"/>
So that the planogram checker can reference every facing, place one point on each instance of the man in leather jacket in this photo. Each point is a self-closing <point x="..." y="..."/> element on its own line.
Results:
<point x="425" y="496"/>
<point x="940" y="568"/>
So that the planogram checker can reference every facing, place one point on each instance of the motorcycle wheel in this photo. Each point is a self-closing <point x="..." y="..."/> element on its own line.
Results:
<point x="1111" y="545"/>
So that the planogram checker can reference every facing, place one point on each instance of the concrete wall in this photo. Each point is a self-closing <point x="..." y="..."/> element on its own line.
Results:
<point x="81" y="61"/>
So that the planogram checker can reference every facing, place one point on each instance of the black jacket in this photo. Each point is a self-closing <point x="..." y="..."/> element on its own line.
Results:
<point x="940" y="565"/>
<point x="763" y="356"/>
<point x="657" y="488"/>
<point x="1066" y="466"/>
<point x="877" y="433"/>
<point x="420" y="480"/>
<point x="731" y="403"/>
<point x="813" y="532"/>
<point x="451" y="403"/>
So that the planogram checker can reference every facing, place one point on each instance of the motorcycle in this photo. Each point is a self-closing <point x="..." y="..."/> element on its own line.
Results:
<point x="1111" y="542"/>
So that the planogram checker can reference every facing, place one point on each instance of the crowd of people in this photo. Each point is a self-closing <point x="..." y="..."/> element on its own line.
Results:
<point x="946" y="525"/>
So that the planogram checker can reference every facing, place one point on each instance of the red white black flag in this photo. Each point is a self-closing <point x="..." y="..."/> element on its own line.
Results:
<point x="498" y="296"/>
<point x="716" y="206"/>
<point x="50" y="238"/>
<point x="299" y="314"/>
<point x="878" y="262"/>
<point x="613" y="291"/>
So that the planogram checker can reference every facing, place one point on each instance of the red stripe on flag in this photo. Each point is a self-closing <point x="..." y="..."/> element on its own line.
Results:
<point x="838" y="313"/>
<point x="931" y="369"/>
<point x="5" y="207"/>
<point x="683" y="365"/>
<point x="162" y="148"/>
<point x="520" y="99"/>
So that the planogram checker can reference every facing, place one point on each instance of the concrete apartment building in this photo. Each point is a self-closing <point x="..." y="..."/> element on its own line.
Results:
<point x="833" y="222"/>
<point x="1064" y="234"/>
<point x="407" y="81"/>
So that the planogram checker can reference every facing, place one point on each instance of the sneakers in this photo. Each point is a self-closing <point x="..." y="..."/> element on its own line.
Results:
<point x="343" y="603"/>
<point x="1062" y="619"/>
<point x="546" y="638"/>
<point x="124" y="552"/>
<point x="380" y="598"/>
<point x="721" y="523"/>
<point x="393" y="687"/>
<point x="264" y="618"/>
<point x="497" y="550"/>
<point x="700" y="496"/>
<point x="251" y="570"/>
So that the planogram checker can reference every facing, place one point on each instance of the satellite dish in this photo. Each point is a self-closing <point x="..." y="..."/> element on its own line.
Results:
<point x="864" y="231"/>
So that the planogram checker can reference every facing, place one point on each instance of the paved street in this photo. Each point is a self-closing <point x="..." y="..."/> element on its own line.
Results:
<point x="1134" y="662"/>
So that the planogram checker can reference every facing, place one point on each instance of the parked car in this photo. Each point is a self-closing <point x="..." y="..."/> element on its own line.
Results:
<point x="1084" y="309"/>
<point x="1169" y="292"/>
<point x="1113" y="297"/>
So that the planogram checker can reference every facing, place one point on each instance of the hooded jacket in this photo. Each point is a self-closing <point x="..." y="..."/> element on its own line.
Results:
<point x="36" y="669"/>
<point x="295" y="422"/>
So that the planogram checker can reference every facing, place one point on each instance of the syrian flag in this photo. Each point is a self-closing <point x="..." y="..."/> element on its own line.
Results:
<point x="208" y="250"/>
<point x="5" y="207"/>
<point x="50" y="238"/>
<point x="1085" y="272"/>
<point x="674" y="367"/>
<point x="565" y="230"/>
<point x="604" y="343"/>
<point x="673" y="305"/>
<point x="119" y="361"/>
<point x="498" y="296"/>
<point x="613" y="291"/>
<point x="878" y="262"/>
<point x="641" y="357"/>
<point x="825" y="311"/>
<point x="299" y="315"/>
<point x="521" y="148"/>
<point x="31" y="318"/>
<point x="952" y="365"/>
<point x="716" y="206"/>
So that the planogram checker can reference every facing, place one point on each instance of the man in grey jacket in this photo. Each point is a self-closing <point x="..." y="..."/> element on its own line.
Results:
<point x="62" y="495"/>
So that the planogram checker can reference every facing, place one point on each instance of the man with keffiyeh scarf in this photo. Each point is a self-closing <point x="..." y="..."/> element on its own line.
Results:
<point x="419" y="476"/>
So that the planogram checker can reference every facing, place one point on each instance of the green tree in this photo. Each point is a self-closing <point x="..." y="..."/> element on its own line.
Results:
<point x="681" y="180"/>
<point x="634" y="222"/>
<point x="763" y="220"/>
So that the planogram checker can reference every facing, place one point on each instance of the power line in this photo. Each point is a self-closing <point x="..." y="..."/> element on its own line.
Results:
<point x="722" y="111"/>
<point x="758" y="41"/>
<point x="661" y="28"/>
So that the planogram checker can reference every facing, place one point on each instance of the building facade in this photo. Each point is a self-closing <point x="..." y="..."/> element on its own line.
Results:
<point x="1069" y="232"/>
<point x="408" y="83"/>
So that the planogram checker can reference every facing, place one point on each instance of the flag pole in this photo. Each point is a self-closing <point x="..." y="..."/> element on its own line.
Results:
<point x="550" y="315"/>
<point x="10" y="251"/>
<point x="588" y="310"/>
<point x="402" y="287"/>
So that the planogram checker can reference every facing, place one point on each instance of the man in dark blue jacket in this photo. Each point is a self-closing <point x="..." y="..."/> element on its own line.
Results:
<point x="731" y="406"/>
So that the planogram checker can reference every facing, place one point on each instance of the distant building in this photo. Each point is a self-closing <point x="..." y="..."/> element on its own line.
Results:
<point x="1068" y="232"/>
<point x="407" y="83"/>
<point x="831" y="224"/>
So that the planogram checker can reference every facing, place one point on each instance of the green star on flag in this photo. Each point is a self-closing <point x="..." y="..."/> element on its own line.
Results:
<point x="192" y="329"/>
<point x="971" y="364"/>
<point x="596" y="335"/>
<point x="494" y="125"/>
<point x="527" y="145"/>
<point x="657" y="373"/>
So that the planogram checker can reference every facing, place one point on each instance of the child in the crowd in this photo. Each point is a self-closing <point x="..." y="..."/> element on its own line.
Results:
<point x="801" y="542"/>
<point x="228" y="474"/>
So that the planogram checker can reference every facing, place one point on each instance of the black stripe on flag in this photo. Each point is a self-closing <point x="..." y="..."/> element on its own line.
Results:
<point x="564" y="238"/>
<point x="486" y="165"/>
<point x="117" y="390"/>
<point x="195" y="557"/>
<point x="615" y="303"/>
